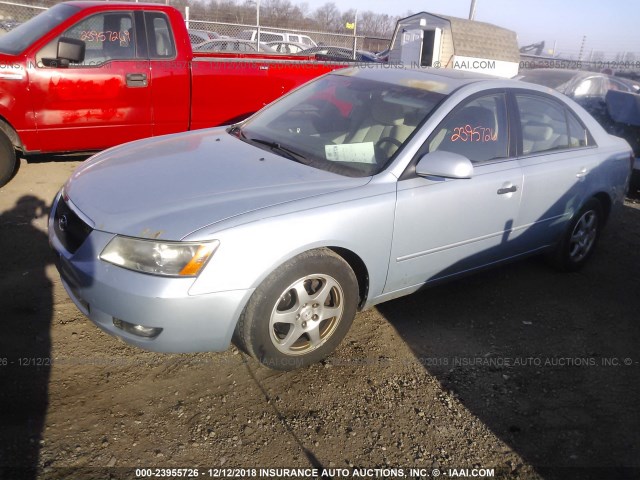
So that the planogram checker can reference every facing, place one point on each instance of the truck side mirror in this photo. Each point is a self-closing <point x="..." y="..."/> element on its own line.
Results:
<point x="70" y="50"/>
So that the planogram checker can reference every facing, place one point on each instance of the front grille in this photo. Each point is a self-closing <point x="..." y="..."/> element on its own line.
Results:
<point x="69" y="228"/>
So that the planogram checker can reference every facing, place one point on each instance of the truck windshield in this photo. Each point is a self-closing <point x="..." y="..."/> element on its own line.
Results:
<point x="16" y="41"/>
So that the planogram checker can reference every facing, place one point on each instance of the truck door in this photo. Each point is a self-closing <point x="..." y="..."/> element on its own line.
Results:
<point x="170" y="78"/>
<point x="102" y="101"/>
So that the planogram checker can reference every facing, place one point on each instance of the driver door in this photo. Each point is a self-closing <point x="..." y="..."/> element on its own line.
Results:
<point x="445" y="227"/>
<point x="101" y="102"/>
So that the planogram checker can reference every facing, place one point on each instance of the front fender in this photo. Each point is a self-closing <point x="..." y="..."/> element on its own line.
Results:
<point x="248" y="253"/>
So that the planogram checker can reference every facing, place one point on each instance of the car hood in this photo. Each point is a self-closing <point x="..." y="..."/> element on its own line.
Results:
<point x="171" y="186"/>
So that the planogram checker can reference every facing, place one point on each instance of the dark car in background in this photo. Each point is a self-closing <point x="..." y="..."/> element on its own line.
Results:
<point x="578" y="84"/>
<point x="340" y="53"/>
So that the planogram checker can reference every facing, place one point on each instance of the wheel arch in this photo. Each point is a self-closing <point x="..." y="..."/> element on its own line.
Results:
<point x="605" y="202"/>
<point x="11" y="133"/>
<point x="359" y="269"/>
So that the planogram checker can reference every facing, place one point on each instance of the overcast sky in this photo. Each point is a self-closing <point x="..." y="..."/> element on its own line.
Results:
<point x="611" y="26"/>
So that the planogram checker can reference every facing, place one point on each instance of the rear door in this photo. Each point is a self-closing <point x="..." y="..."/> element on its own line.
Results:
<point x="557" y="161"/>
<point x="105" y="100"/>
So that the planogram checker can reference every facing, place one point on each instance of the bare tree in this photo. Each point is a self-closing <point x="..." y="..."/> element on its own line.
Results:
<point x="328" y="17"/>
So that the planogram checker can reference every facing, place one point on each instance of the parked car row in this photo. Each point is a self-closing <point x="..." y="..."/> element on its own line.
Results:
<point x="216" y="43"/>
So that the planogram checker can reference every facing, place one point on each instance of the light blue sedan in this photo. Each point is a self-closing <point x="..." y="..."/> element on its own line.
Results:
<point x="359" y="187"/>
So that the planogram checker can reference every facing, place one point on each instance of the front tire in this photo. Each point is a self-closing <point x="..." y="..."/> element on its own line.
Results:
<point x="300" y="312"/>
<point x="581" y="237"/>
<point x="7" y="159"/>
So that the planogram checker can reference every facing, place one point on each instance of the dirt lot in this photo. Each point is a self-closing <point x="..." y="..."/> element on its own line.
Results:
<point x="523" y="370"/>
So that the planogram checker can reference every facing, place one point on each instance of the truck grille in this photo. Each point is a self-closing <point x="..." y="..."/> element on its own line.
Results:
<point x="69" y="228"/>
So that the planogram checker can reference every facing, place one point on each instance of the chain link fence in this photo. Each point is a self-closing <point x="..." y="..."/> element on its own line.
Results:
<point x="13" y="14"/>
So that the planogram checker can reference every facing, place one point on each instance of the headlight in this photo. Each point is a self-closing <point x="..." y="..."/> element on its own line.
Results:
<point x="180" y="259"/>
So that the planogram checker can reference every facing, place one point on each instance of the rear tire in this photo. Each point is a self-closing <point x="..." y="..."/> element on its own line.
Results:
<point x="300" y="312"/>
<point x="7" y="159"/>
<point x="581" y="237"/>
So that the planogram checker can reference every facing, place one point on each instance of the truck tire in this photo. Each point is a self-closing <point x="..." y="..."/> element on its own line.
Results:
<point x="300" y="312"/>
<point x="7" y="159"/>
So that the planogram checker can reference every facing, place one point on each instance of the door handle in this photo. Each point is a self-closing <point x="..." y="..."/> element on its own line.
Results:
<point x="505" y="190"/>
<point x="582" y="173"/>
<point x="136" y="79"/>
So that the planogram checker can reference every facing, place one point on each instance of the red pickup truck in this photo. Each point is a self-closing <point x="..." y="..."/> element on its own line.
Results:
<point x="84" y="76"/>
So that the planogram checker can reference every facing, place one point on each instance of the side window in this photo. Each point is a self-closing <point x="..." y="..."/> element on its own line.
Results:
<point x="107" y="36"/>
<point x="548" y="125"/>
<point x="578" y="135"/>
<point x="271" y="37"/>
<point x="244" y="47"/>
<point x="159" y="36"/>
<point x="478" y="130"/>
<point x="306" y="40"/>
<point x="614" y="84"/>
<point x="294" y="38"/>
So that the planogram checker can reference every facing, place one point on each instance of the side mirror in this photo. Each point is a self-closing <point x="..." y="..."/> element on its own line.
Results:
<point x="70" y="50"/>
<point x="444" y="164"/>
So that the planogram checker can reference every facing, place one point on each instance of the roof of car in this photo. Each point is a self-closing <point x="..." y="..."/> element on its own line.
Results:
<point x="448" y="78"/>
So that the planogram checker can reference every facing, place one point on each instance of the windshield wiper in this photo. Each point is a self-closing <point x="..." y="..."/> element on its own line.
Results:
<point x="276" y="147"/>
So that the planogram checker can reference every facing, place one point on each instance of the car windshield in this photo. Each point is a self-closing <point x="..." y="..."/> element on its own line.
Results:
<point x="16" y="41"/>
<point x="341" y="123"/>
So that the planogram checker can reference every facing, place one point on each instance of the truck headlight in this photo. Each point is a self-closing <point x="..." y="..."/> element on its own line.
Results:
<point x="178" y="259"/>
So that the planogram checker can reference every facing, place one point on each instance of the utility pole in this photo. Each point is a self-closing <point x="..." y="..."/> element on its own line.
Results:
<point x="258" y="25"/>
<point x="472" y="10"/>
<point x="584" y="40"/>
<point x="355" y="38"/>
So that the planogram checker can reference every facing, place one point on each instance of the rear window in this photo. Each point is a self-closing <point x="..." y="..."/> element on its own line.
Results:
<point x="271" y="37"/>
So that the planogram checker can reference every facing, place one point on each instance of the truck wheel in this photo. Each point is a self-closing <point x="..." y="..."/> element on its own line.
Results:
<point x="7" y="159"/>
<point x="300" y="312"/>
<point x="581" y="237"/>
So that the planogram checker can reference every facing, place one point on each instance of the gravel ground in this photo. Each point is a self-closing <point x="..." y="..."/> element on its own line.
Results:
<point x="523" y="370"/>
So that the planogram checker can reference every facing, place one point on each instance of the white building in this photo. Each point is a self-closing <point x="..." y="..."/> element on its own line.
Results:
<point x="429" y="40"/>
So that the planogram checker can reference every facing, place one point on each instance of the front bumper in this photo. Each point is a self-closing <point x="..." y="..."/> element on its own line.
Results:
<point x="104" y="292"/>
